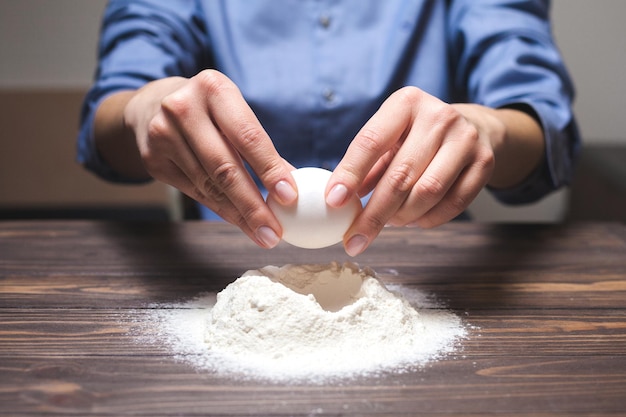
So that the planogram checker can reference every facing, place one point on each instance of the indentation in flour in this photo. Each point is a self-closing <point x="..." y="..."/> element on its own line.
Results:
<point x="333" y="286"/>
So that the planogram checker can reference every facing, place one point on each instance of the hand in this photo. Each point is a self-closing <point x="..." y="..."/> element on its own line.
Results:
<point x="425" y="160"/>
<point x="195" y="135"/>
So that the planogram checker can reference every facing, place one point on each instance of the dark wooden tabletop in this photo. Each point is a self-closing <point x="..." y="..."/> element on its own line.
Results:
<point x="548" y="303"/>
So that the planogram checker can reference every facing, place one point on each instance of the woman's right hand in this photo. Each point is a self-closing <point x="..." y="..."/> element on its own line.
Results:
<point x="195" y="135"/>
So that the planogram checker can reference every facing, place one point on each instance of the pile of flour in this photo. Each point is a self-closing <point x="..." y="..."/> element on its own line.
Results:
<point x="310" y="322"/>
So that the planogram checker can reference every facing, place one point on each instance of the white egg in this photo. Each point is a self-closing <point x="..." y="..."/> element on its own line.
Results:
<point x="310" y="223"/>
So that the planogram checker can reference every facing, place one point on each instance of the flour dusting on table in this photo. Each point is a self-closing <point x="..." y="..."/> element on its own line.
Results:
<point x="309" y="322"/>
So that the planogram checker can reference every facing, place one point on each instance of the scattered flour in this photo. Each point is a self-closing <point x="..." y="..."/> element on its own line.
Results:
<point x="309" y="322"/>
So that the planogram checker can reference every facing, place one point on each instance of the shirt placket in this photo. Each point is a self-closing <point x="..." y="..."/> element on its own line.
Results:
<point x="328" y="96"/>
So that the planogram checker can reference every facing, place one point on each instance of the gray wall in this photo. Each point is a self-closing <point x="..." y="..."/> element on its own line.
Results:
<point x="48" y="43"/>
<point x="592" y="38"/>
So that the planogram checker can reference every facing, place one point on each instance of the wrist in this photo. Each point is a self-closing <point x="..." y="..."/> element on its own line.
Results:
<point x="515" y="137"/>
<point x="115" y="140"/>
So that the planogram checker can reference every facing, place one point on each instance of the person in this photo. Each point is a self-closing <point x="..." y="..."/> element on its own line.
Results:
<point x="418" y="103"/>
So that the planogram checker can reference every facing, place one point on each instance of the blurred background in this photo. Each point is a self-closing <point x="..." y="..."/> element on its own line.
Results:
<point x="47" y="59"/>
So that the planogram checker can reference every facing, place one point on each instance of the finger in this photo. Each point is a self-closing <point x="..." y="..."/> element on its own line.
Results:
<point x="384" y="129"/>
<point x="386" y="203"/>
<point x="460" y="151"/>
<point x="210" y="197"/>
<point x="238" y="123"/>
<point x="406" y="110"/>
<point x="434" y="183"/>
<point x="376" y="173"/>
<point x="422" y="165"/>
<point x="436" y="150"/>
<point x="394" y="180"/>
<point x="221" y="167"/>
<point x="168" y="158"/>
<point x="457" y="199"/>
<point x="230" y="176"/>
<point x="409" y="159"/>
<point x="388" y="197"/>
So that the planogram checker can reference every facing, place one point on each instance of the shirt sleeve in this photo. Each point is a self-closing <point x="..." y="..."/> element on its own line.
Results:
<point x="505" y="55"/>
<point x="140" y="41"/>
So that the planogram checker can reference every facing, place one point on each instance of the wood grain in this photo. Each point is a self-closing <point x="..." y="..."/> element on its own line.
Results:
<point x="154" y="386"/>
<point x="547" y="304"/>
<point x="97" y="332"/>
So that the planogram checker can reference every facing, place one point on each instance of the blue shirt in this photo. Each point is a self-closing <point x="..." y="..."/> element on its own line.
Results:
<point x="314" y="71"/>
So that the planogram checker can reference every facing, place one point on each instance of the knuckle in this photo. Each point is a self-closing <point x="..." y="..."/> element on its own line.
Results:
<point x="250" y="135"/>
<point x="211" y="81"/>
<point x="270" y="171"/>
<point x="211" y="191"/>
<point x="486" y="159"/>
<point x="447" y="116"/>
<point x="457" y="204"/>
<point x="349" y="173"/>
<point x="430" y="187"/>
<point x="226" y="175"/>
<point x="158" y="129"/>
<point x="374" y="222"/>
<point x="410" y="95"/>
<point x="252" y="214"/>
<point x="157" y="138"/>
<point x="199" y="195"/>
<point x="370" y="140"/>
<point x="471" y="135"/>
<point x="401" y="178"/>
<point x="176" y="104"/>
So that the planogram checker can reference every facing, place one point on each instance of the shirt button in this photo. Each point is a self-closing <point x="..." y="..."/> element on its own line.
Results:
<point x="324" y="21"/>
<point x="329" y="95"/>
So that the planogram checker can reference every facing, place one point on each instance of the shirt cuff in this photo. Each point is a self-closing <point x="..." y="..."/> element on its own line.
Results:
<point x="562" y="143"/>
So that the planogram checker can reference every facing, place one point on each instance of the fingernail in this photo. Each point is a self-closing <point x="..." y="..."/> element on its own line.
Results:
<point x="337" y="195"/>
<point x="267" y="236"/>
<point x="356" y="245"/>
<point x="285" y="192"/>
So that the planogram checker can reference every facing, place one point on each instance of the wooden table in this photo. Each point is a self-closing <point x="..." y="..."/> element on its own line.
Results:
<point x="549" y="302"/>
